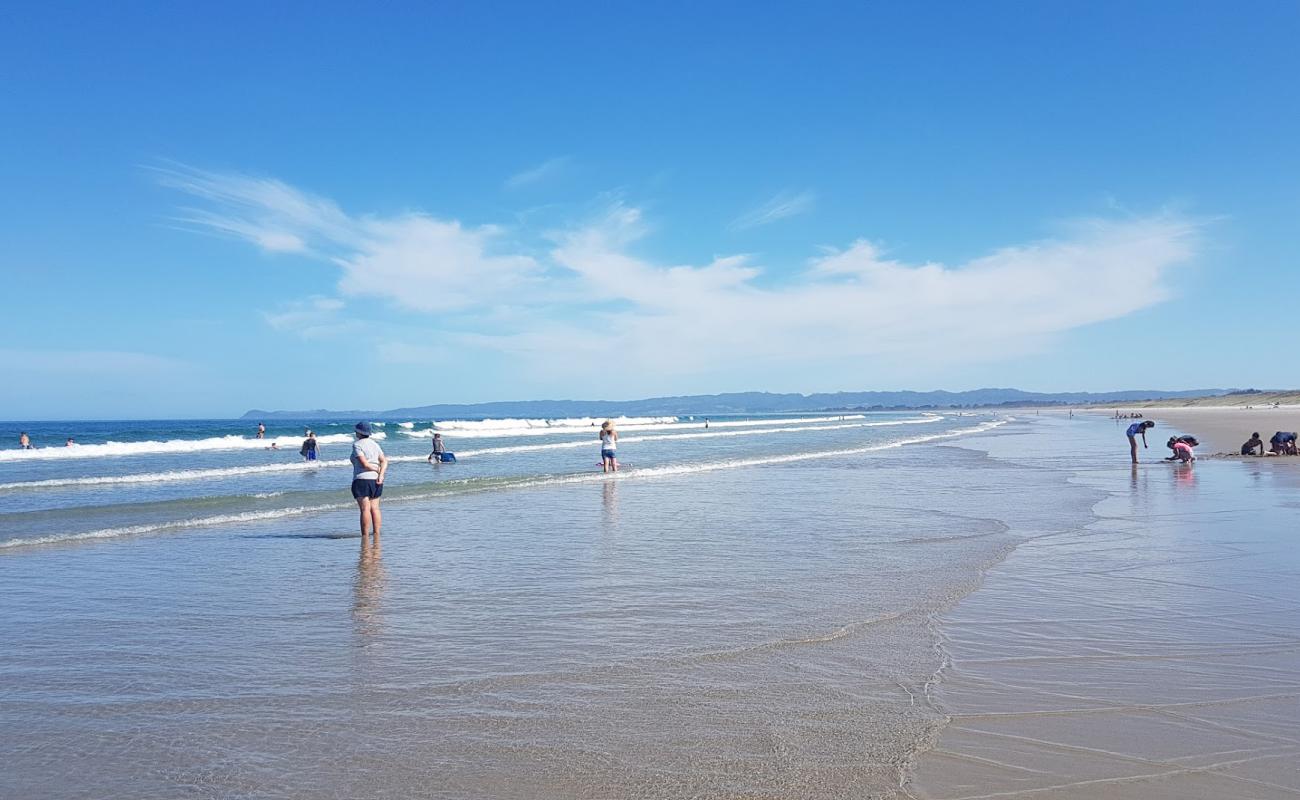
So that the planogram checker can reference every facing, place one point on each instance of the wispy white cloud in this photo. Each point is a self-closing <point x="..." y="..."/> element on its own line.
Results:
<point x="854" y="306"/>
<point x="315" y="317"/>
<point x="592" y="299"/>
<point x="416" y="260"/>
<point x="781" y="206"/>
<point x="543" y="171"/>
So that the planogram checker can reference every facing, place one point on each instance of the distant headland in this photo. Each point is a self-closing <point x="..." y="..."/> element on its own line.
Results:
<point x="754" y="403"/>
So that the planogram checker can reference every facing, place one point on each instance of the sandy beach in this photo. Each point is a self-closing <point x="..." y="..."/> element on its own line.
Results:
<point x="1221" y="429"/>
<point x="1154" y="654"/>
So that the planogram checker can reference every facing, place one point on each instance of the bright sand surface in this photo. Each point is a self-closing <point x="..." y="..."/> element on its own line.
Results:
<point x="1223" y="430"/>
<point x="1153" y="654"/>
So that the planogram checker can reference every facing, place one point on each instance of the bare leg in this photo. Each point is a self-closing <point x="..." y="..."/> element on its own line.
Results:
<point x="614" y="461"/>
<point x="376" y="518"/>
<point x="1133" y="448"/>
<point x="363" y="503"/>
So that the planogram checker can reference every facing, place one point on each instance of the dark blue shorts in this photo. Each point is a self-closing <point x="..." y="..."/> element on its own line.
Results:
<point x="367" y="487"/>
<point x="606" y="453"/>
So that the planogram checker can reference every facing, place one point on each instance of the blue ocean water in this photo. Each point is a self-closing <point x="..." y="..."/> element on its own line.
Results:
<point x="133" y="478"/>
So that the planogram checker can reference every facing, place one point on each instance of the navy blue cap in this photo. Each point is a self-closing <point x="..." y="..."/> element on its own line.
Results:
<point x="363" y="428"/>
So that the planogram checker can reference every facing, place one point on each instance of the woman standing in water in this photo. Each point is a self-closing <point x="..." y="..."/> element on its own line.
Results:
<point x="608" y="445"/>
<point x="368" y="468"/>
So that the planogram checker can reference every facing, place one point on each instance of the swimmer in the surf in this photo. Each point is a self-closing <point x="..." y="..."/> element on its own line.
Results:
<point x="1134" y="430"/>
<point x="439" y="448"/>
<point x="308" y="451"/>
<point x="70" y="443"/>
<point x="24" y="443"/>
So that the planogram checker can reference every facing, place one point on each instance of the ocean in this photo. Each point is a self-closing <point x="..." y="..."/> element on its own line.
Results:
<point x="749" y="609"/>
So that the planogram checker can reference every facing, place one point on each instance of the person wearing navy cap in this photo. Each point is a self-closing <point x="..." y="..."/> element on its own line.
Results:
<point x="368" y="467"/>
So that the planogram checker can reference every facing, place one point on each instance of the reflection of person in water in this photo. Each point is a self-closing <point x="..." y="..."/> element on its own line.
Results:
<point x="368" y="590"/>
<point x="609" y="502"/>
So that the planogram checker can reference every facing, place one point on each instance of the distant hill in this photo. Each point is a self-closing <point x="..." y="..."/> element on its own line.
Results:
<point x="744" y="403"/>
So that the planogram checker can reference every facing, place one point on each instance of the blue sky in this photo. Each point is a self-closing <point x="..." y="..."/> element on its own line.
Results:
<point x="204" y="210"/>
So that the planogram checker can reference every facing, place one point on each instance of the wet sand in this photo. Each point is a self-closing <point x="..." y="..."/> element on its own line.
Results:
<point x="1154" y="654"/>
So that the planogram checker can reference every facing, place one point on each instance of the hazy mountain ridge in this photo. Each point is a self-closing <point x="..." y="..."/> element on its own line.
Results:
<point x="745" y="403"/>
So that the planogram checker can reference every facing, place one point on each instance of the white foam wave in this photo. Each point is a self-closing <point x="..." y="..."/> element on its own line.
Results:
<point x="406" y="425"/>
<point x="550" y="480"/>
<point x="172" y="446"/>
<point x="261" y="469"/>
<point x="532" y="427"/>
<point x="198" y="522"/>
<point x="506" y="427"/>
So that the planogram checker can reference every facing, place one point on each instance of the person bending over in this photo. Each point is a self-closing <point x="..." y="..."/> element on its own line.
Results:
<point x="1283" y="443"/>
<point x="1134" y="430"/>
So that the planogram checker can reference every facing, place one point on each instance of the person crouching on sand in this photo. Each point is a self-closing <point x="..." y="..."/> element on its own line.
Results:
<point x="1182" y="452"/>
<point x="1253" y="444"/>
<point x="368" y="467"/>
<point x="1133" y="431"/>
<point x="608" y="446"/>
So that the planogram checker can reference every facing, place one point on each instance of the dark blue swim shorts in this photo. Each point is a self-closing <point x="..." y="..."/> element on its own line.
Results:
<point x="367" y="487"/>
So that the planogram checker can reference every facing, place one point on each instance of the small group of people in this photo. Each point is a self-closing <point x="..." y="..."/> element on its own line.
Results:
<point x="1282" y="443"/>
<point x="25" y="442"/>
<point x="1180" y="445"/>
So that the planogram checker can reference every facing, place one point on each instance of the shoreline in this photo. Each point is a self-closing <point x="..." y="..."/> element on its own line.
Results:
<point x="1139" y="657"/>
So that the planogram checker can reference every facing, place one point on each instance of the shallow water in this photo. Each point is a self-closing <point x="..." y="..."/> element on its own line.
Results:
<point x="1155" y="654"/>
<point x="754" y="622"/>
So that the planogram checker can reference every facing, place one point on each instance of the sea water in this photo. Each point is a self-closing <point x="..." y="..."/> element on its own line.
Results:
<point x="747" y="609"/>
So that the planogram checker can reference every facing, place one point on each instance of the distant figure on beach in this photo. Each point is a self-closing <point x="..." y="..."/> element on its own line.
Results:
<point x="1283" y="443"/>
<point x="1134" y="430"/>
<point x="308" y="451"/>
<point x="608" y="446"/>
<point x="261" y="431"/>
<point x="24" y="443"/>
<point x="1251" y="444"/>
<point x="706" y="423"/>
<point x="368" y="467"/>
<point x="70" y="443"/>
<point x="439" y="448"/>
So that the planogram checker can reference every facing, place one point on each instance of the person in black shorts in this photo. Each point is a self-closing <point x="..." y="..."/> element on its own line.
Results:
<point x="368" y="467"/>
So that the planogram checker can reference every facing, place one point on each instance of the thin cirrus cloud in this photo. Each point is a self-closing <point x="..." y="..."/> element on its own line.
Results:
<point x="534" y="175"/>
<point x="782" y="206"/>
<point x="592" y="295"/>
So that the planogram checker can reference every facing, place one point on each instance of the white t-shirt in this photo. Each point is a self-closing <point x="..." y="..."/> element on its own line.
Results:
<point x="370" y="449"/>
<point x="607" y="440"/>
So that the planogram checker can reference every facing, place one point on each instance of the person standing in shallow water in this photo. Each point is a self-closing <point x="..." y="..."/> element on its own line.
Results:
<point x="1134" y="430"/>
<point x="261" y="431"/>
<point x="608" y="446"/>
<point x="368" y="467"/>
<point x="26" y="443"/>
